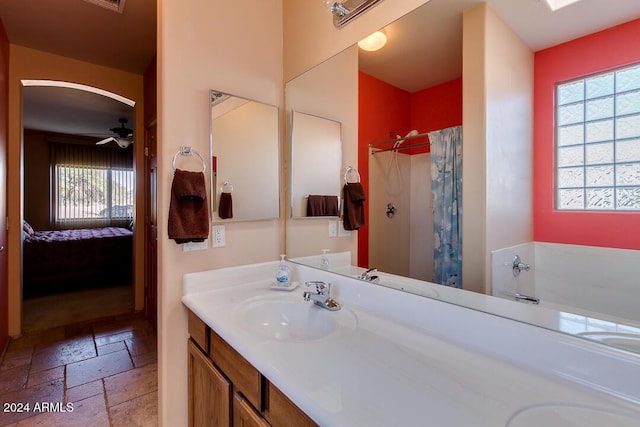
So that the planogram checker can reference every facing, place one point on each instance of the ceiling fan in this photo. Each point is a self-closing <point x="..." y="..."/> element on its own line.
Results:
<point x="122" y="135"/>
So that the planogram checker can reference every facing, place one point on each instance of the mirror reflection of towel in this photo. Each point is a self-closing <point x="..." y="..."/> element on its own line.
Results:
<point x="225" y="209"/>
<point x="354" y="198"/>
<point x="188" y="209"/>
<point x="319" y="205"/>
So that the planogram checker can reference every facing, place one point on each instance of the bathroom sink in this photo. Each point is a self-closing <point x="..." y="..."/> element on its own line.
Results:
<point x="630" y="342"/>
<point x="571" y="416"/>
<point x="292" y="320"/>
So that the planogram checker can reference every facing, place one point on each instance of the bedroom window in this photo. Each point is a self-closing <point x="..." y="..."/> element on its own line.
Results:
<point x="93" y="187"/>
<point x="598" y="142"/>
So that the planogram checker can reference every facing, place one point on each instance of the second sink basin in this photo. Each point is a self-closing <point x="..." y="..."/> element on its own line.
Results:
<point x="287" y="319"/>
<point x="624" y="341"/>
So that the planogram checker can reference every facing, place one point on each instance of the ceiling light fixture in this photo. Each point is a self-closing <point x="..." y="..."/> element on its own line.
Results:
<point x="559" y="4"/>
<point x="373" y="42"/>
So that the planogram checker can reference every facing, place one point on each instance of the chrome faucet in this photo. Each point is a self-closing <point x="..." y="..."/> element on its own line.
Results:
<point x="321" y="297"/>
<point x="517" y="266"/>
<point x="369" y="276"/>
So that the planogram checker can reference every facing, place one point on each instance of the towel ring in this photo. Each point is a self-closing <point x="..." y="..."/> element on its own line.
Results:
<point x="188" y="152"/>
<point x="351" y="169"/>
<point x="226" y="186"/>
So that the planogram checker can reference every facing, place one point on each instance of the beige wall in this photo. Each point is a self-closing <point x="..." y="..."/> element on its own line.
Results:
<point x="497" y="143"/>
<point x="28" y="63"/>
<point x="317" y="93"/>
<point x="233" y="47"/>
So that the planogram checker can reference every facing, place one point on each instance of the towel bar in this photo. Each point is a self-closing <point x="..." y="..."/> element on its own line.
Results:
<point x="351" y="169"/>
<point x="188" y="152"/>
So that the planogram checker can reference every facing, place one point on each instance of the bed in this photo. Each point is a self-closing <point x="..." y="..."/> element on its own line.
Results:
<point x="63" y="259"/>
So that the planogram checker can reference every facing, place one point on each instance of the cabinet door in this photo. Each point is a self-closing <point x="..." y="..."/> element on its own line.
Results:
<point x="209" y="392"/>
<point x="282" y="412"/>
<point x="244" y="415"/>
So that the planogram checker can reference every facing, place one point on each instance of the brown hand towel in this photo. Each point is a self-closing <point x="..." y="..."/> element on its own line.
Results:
<point x="225" y="209"/>
<point x="188" y="209"/>
<point x="354" y="197"/>
<point x="318" y="205"/>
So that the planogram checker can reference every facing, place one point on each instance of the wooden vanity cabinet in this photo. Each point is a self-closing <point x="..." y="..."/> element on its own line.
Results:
<point x="245" y="378"/>
<point x="209" y="392"/>
<point x="244" y="415"/>
<point x="226" y="390"/>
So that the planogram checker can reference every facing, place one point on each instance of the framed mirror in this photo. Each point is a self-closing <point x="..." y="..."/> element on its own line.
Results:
<point x="316" y="160"/>
<point x="590" y="299"/>
<point x="245" y="137"/>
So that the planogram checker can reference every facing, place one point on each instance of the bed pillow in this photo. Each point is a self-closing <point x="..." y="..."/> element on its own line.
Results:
<point x="27" y="228"/>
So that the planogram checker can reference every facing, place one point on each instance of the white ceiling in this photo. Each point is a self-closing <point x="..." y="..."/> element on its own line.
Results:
<point x="424" y="47"/>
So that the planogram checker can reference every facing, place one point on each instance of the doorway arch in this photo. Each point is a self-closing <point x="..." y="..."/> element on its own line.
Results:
<point x="28" y="64"/>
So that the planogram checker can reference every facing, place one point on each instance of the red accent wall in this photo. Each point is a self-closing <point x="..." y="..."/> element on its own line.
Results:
<point x="615" y="47"/>
<point x="435" y="108"/>
<point x="385" y="110"/>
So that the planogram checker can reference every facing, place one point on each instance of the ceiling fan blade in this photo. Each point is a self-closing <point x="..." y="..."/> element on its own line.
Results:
<point x="106" y="140"/>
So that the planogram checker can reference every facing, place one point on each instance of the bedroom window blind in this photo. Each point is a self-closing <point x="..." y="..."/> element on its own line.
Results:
<point x="92" y="186"/>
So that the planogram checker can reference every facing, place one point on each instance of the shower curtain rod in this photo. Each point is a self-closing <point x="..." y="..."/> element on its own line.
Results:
<point x="375" y="147"/>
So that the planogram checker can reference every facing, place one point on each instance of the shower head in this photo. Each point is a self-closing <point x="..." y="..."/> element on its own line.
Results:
<point x="400" y="139"/>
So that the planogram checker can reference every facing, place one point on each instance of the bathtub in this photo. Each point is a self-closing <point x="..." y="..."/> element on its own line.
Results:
<point x="592" y="282"/>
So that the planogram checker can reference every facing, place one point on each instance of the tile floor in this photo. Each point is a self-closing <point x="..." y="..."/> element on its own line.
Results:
<point x="106" y="371"/>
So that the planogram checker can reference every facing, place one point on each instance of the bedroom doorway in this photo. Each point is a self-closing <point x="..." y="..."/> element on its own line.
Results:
<point x="79" y="200"/>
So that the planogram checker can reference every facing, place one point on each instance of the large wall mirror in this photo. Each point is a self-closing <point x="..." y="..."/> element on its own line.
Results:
<point x="421" y="66"/>
<point x="316" y="160"/>
<point x="245" y="183"/>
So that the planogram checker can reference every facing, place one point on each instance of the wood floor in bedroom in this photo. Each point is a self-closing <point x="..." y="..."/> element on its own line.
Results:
<point x="49" y="311"/>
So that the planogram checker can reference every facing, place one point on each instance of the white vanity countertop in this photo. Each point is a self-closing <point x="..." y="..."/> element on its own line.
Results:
<point x="417" y="361"/>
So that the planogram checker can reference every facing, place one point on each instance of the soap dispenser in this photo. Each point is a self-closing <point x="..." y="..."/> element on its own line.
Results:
<point x="324" y="260"/>
<point x="283" y="277"/>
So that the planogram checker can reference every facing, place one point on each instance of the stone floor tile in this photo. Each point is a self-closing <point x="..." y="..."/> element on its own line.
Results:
<point x="131" y="384"/>
<point x="145" y="359"/>
<point x="111" y="348"/>
<point x="88" y="412"/>
<point x="84" y="391"/>
<point x="139" y="412"/>
<point x="42" y="377"/>
<point x="14" y="379"/>
<point x="17" y="357"/>
<point x="48" y="392"/>
<point x="63" y="352"/>
<point x="113" y="338"/>
<point x="98" y="367"/>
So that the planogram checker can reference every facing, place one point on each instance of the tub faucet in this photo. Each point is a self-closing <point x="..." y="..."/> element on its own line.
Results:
<point x="322" y="296"/>
<point x="369" y="276"/>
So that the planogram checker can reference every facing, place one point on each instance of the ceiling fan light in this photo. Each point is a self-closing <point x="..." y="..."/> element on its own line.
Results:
<point x="123" y="142"/>
<point x="373" y="42"/>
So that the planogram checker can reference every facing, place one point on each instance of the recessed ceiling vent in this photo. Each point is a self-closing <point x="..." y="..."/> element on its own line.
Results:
<point x="113" y="5"/>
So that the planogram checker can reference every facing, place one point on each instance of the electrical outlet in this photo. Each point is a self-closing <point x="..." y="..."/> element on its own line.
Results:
<point x="219" y="240"/>
<point x="333" y="228"/>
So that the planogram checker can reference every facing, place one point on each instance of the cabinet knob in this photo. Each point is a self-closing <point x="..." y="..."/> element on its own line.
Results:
<point x="1" y="248"/>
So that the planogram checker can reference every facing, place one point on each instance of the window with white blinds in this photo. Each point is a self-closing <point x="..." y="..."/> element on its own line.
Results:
<point x="93" y="186"/>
